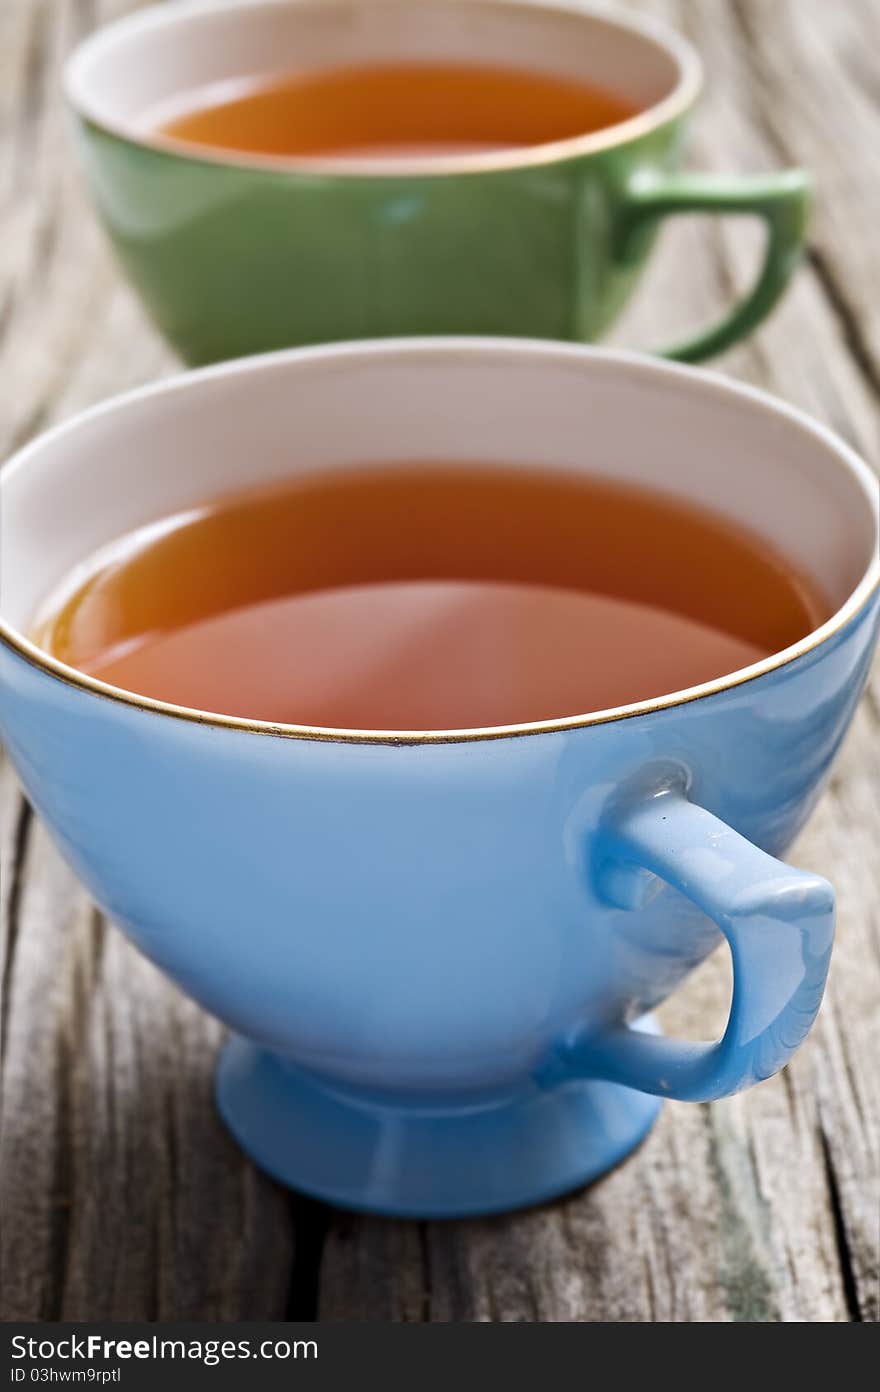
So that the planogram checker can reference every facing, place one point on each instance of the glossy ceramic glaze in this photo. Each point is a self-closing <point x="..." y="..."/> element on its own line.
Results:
<point x="432" y="947"/>
<point x="240" y="254"/>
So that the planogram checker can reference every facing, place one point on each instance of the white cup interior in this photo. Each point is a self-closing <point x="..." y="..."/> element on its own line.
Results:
<point x="172" y="446"/>
<point x="150" y="67"/>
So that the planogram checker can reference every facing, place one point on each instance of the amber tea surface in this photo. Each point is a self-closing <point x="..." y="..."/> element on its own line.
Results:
<point x="429" y="597"/>
<point x="401" y="110"/>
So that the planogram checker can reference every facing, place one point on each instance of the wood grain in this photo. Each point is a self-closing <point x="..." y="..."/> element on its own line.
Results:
<point x="120" y="1194"/>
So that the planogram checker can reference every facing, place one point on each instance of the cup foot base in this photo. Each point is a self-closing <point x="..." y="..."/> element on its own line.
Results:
<point x="407" y="1163"/>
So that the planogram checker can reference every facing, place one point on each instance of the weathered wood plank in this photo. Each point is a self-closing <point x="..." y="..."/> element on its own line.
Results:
<point x="817" y="91"/>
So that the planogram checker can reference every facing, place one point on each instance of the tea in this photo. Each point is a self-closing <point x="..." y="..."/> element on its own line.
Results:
<point x="403" y="110"/>
<point x="429" y="597"/>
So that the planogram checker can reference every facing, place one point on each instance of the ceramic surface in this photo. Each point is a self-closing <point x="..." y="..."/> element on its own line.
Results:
<point x="432" y="947"/>
<point x="237" y="254"/>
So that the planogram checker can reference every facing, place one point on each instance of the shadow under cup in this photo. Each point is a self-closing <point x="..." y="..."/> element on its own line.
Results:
<point x="233" y="253"/>
<point x="436" y="951"/>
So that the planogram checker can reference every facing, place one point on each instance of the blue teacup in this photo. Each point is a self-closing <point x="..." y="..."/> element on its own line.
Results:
<point x="437" y="950"/>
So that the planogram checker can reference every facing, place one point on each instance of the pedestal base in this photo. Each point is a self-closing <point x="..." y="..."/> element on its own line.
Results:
<point x="411" y="1163"/>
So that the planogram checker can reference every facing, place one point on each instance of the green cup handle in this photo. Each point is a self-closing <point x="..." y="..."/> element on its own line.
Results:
<point x="781" y="200"/>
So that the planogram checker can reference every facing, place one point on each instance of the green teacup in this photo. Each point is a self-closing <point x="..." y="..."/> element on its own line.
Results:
<point x="237" y="254"/>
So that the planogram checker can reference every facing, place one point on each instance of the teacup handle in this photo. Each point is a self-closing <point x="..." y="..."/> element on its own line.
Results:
<point x="778" y="921"/>
<point x="783" y="202"/>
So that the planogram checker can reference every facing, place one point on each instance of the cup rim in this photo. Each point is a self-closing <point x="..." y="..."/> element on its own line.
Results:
<point x="711" y="383"/>
<point x="680" y="99"/>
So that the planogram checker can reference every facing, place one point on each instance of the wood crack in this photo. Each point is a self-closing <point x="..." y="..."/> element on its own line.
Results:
<point x="425" y="1253"/>
<point x="850" y="329"/>
<point x="62" y="1181"/>
<point x="311" y="1221"/>
<point x="844" y="1254"/>
<point x="13" y="905"/>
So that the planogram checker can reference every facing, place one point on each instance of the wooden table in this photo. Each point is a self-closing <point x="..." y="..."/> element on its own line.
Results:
<point x="121" y="1195"/>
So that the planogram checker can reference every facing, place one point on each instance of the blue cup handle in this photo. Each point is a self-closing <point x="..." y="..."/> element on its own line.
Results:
<point x="778" y="921"/>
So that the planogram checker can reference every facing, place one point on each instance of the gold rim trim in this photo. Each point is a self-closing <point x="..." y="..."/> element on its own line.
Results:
<point x="35" y="657"/>
<point x="682" y="97"/>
